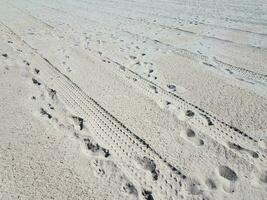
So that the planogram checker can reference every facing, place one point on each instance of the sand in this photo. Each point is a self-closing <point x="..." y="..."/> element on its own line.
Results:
<point x="133" y="99"/>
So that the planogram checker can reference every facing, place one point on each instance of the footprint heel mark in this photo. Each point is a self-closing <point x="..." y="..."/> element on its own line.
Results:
<point x="172" y="88"/>
<point x="52" y="93"/>
<point x="184" y="115"/>
<point x="190" y="133"/>
<point x="228" y="178"/>
<point x="211" y="184"/>
<point x="149" y="164"/>
<point x="190" y="136"/>
<point x="227" y="173"/>
<point x="130" y="189"/>
<point x="36" y="71"/>
<point x="36" y="82"/>
<point x="189" y="113"/>
<point x="147" y="195"/>
<point x="78" y="122"/>
<point x="4" y="55"/>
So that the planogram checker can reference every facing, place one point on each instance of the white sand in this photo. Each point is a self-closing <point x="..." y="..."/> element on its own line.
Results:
<point x="133" y="99"/>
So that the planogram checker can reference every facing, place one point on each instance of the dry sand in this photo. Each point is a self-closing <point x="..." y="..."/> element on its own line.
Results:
<point x="122" y="99"/>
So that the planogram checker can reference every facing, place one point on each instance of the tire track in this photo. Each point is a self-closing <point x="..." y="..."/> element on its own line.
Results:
<point x="202" y="120"/>
<point x="125" y="145"/>
<point x="244" y="72"/>
<point x="219" y="130"/>
<point x="147" y="23"/>
<point x="201" y="59"/>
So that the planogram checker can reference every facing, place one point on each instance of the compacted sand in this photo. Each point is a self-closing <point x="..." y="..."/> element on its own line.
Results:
<point x="124" y="99"/>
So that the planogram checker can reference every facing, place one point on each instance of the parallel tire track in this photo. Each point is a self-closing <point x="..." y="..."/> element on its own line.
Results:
<point x="123" y="144"/>
<point x="218" y="129"/>
<point x="200" y="59"/>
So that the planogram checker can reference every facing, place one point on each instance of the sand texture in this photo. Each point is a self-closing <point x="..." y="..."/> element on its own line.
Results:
<point x="133" y="99"/>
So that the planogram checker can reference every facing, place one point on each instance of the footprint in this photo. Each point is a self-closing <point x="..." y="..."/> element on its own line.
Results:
<point x="184" y="115"/>
<point x="95" y="149"/>
<point x="227" y="173"/>
<point x="172" y="88"/>
<point x="152" y="87"/>
<point x="52" y="93"/>
<point x="150" y="71"/>
<point x="190" y="136"/>
<point x="241" y="149"/>
<point x="98" y="167"/>
<point x="122" y="68"/>
<point x="36" y="71"/>
<point x="211" y="184"/>
<point x="5" y="55"/>
<point x="149" y="164"/>
<point x="36" y="82"/>
<point x="130" y="189"/>
<point x="26" y="62"/>
<point x="133" y="57"/>
<point x="190" y="133"/>
<point x="147" y="195"/>
<point x="44" y="112"/>
<point x="78" y="121"/>
<point x="228" y="178"/>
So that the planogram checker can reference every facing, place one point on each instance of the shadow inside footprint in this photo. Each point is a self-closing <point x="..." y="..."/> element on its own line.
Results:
<point x="172" y="87"/>
<point x="130" y="189"/>
<point x="78" y="121"/>
<point x="52" y="93"/>
<point x="228" y="178"/>
<point x="211" y="184"/>
<point x="36" y="71"/>
<point x="227" y="173"/>
<point x="191" y="136"/>
<point x="5" y="55"/>
<point x="44" y="112"/>
<point x="239" y="148"/>
<point x="147" y="195"/>
<point x="149" y="165"/>
<point x="95" y="148"/>
<point x="36" y="82"/>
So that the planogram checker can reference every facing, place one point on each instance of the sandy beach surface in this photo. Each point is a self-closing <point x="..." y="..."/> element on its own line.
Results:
<point x="133" y="99"/>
